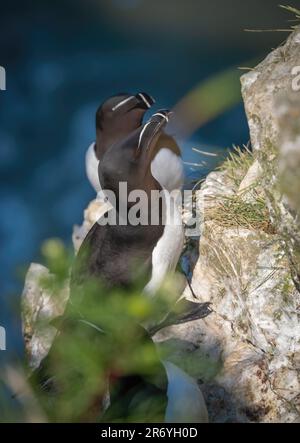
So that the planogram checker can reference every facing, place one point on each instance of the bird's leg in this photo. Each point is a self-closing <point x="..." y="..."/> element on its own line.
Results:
<point x="190" y="286"/>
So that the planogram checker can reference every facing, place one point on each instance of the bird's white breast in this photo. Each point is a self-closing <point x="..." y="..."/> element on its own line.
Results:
<point x="168" y="249"/>
<point x="167" y="169"/>
<point x="91" y="166"/>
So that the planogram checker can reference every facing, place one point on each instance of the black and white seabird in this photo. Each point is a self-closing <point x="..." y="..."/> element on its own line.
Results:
<point x="116" y="118"/>
<point x="111" y="252"/>
<point x="148" y="160"/>
<point x="119" y="247"/>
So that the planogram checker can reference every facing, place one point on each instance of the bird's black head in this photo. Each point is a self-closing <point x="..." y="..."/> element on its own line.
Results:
<point x="130" y="159"/>
<point x="118" y="116"/>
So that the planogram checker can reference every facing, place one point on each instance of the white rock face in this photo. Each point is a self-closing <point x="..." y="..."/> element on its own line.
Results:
<point x="40" y="306"/>
<point x="250" y="183"/>
<point x="92" y="213"/>
<point x="262" y="86"/>
<point x="247" y="352"/>
<point x="250" y="346"/>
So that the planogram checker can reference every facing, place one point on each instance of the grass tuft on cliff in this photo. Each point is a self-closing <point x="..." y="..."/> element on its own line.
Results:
<point x="233" y="212"/>
<point x="237" y="164"/>
<point x="236" y="211"/>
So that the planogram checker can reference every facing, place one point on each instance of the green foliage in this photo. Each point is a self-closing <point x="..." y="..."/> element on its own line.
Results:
<point x="198" y="364"/>
<point x="102" y="337"/>
<point x="58" y="260"/>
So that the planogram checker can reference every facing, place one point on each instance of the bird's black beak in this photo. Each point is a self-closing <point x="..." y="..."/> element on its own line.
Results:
<point x="145" y="101"/>
<point x="152" y="129"/>
<point x="161" y="117"/>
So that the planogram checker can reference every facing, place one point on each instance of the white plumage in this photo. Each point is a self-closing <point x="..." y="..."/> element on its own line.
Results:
<point x="91" y="167"/>
<point x="185" y="400"/>
<point x="167" y="169"/>
<point x="167" y="251"/>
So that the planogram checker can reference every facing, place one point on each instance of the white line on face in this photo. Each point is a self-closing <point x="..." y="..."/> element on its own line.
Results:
<point x="142" y="132"/>
<point x="121" y="103"/>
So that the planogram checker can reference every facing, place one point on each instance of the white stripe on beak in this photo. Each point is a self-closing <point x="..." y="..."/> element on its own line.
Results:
<point x="144" y="99"/>
<point x="161" y="115"/>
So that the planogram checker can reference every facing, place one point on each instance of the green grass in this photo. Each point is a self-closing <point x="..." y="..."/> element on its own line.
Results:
<point x="233" y="211"/>
<point x="237" y="164"/>
<point x="291" y="9"/>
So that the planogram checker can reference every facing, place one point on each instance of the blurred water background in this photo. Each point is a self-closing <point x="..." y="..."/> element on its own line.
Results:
<point x="62" y="58"/>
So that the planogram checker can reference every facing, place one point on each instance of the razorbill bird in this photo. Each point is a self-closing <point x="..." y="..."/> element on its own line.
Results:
<point x="117" y="117"/>
<point x="166" y="169"/>
<point x="147" y="159"/>
<point x="116" y="246"/>
<point x="110" y="253"/>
